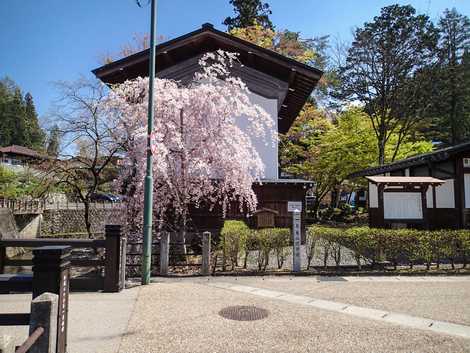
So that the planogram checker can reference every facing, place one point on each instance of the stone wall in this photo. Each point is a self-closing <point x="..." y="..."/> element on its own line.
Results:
<point x="63" y="221"/>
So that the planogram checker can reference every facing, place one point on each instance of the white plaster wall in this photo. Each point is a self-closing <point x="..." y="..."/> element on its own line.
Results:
<point x="373" y="196"/>
<point x="402" y="205"/>
<point x="429" y="198"/>
<point x="267" y="149"/>
<point x="467" y="190"/>
<point x="445" y="197"/>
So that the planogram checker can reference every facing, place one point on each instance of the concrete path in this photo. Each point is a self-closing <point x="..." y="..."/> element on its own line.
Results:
<point x="306" y="314"/>
<point x="97" y="321"/>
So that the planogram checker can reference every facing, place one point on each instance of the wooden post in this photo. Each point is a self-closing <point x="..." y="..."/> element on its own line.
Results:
<point x="112" y="278"/>
<point x="164" y="253"/>
<point x="206" y="253"/>
<point x="51" y="273"/>
<point x="3" y="256"/>
<point x="44" y="313"/>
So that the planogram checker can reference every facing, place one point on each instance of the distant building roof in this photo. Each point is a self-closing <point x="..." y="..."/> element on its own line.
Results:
<point x="400" y="180"/>
<point x="435" y="156"/>
<point x="23" y="151"/>
<point x="300" y="78"/>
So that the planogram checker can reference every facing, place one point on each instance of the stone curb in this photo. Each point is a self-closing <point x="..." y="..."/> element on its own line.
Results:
<point x="441" y="327"/>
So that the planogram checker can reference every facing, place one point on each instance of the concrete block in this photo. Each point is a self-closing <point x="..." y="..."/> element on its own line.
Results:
<point x="266" y="293"/>
<point x="296" y="299"/>
<point x="407" y="320"/>
<point x="365" y="312"/>
<point x="450" y="329"/>
<point x="6" y="344"/>
<point x="327" y="305"/>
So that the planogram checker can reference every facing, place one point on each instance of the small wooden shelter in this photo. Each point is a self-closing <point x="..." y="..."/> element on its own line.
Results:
<point x="402" y="201"/>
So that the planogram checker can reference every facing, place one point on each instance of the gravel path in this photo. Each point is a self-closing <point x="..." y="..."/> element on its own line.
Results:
<point x="182" y="316"/>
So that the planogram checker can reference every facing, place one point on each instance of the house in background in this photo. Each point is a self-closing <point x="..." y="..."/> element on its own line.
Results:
<point x="278" y="84"/>
<point x="19" y="156"/>
<point x="446" y="201"/>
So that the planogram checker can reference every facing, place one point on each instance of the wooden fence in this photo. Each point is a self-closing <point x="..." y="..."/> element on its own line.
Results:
<point x="23" y="206"/>
<point x="108" y="260"/>
<point x="171" y="253"/>
<point x="49" y="284"/>
<point x="19" y="206"/>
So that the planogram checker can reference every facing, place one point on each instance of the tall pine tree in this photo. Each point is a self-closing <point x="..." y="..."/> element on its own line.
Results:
<point x="453" y="93"/>
<point x="19" y="124"/>
<point x="249" y="13"/>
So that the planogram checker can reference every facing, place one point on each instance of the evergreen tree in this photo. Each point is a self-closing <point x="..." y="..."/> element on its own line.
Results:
<point x="36" y="134"/>
<point x="451" y="107"/>
<point x="19" y="123"/>
<point x="53" y="143"/>
<point x="249" y="13"/>
<point x="384" y="71"/>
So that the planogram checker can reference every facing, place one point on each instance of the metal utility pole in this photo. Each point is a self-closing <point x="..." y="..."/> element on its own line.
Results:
<point x="148" y="191"/>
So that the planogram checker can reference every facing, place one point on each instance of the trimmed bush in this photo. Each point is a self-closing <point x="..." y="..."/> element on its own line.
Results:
<point x="233" y="239"/>
<point x="396" y="246"/>
<point x="237" y="240"/>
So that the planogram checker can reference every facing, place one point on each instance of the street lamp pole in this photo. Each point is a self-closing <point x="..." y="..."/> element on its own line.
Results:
<point x="148" y="191"/>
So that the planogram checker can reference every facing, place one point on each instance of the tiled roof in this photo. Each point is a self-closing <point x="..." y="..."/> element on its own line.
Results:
<point x="21" y="150"/>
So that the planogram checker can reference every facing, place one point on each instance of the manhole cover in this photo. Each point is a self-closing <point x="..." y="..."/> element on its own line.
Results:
<point x="243" y="313"/>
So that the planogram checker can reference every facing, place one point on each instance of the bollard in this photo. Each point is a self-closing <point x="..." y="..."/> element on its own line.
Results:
<point x="44" y="314"/>
<point x="164" y="253"/>
<point x="113" y="266"/>
<point x="206" y="253"/>
<point x="51" y="273"/>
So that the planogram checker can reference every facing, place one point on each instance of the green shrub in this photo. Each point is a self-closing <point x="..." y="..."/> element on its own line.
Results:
<point x="233" y="238"/>
<point x="263" y="246"/>
<point x="280" y="241"/>
<point x="392" y="245"/>
<point x="311" y="244"/>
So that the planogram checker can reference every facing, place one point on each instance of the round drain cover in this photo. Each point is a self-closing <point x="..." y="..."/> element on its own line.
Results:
<point x="243" y="313"/>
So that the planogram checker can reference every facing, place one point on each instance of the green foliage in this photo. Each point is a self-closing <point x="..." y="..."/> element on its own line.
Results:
<point x="53" y="143"/>
<point x="385" y="71"/>
<point x="395" y="245"/>
<point x="280" y="241"/>
<point x="19" y="124"/>
<point x="451" y="103"/>
<point x="233" y="239"/>
<point x="327" y="152"/>
<point x="237" y="240"/>
<point x="20" y="184"/>
<point x="249" y="13"/>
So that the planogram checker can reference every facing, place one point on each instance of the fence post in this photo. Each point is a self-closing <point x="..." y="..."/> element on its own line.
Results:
<point x="112" y="277"/>
<point x="3" y="255"/>
<point x="51" y="272"/>
<point x="44" y="311"/>
<point x="206" y="253"/>
<point x="164" y="253"/>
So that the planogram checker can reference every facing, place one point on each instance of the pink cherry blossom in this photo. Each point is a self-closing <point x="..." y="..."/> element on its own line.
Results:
<point x="201" y="155"/>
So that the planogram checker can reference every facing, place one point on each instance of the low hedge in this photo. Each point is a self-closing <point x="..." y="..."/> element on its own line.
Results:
<point x="396" y="246"/>
<point x="237" y="240"/>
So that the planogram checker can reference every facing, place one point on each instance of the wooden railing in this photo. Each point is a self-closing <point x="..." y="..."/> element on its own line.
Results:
<point x="48" y="318"/>
<point x="109" y="255"/>
<point x="23" y="206"/>
<point x="169" y="253"/>
<point x="20" y="206"/>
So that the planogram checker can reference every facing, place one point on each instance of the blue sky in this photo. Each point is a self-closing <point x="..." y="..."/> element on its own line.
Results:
<point x="42" y="41"/>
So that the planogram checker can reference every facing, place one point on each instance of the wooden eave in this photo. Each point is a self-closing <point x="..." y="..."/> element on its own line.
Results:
<point x="301" y="78"/>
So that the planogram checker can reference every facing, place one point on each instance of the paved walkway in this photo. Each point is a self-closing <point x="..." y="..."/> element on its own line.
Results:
<point x="306" y="314"/>
<point x="97" y="321"/>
